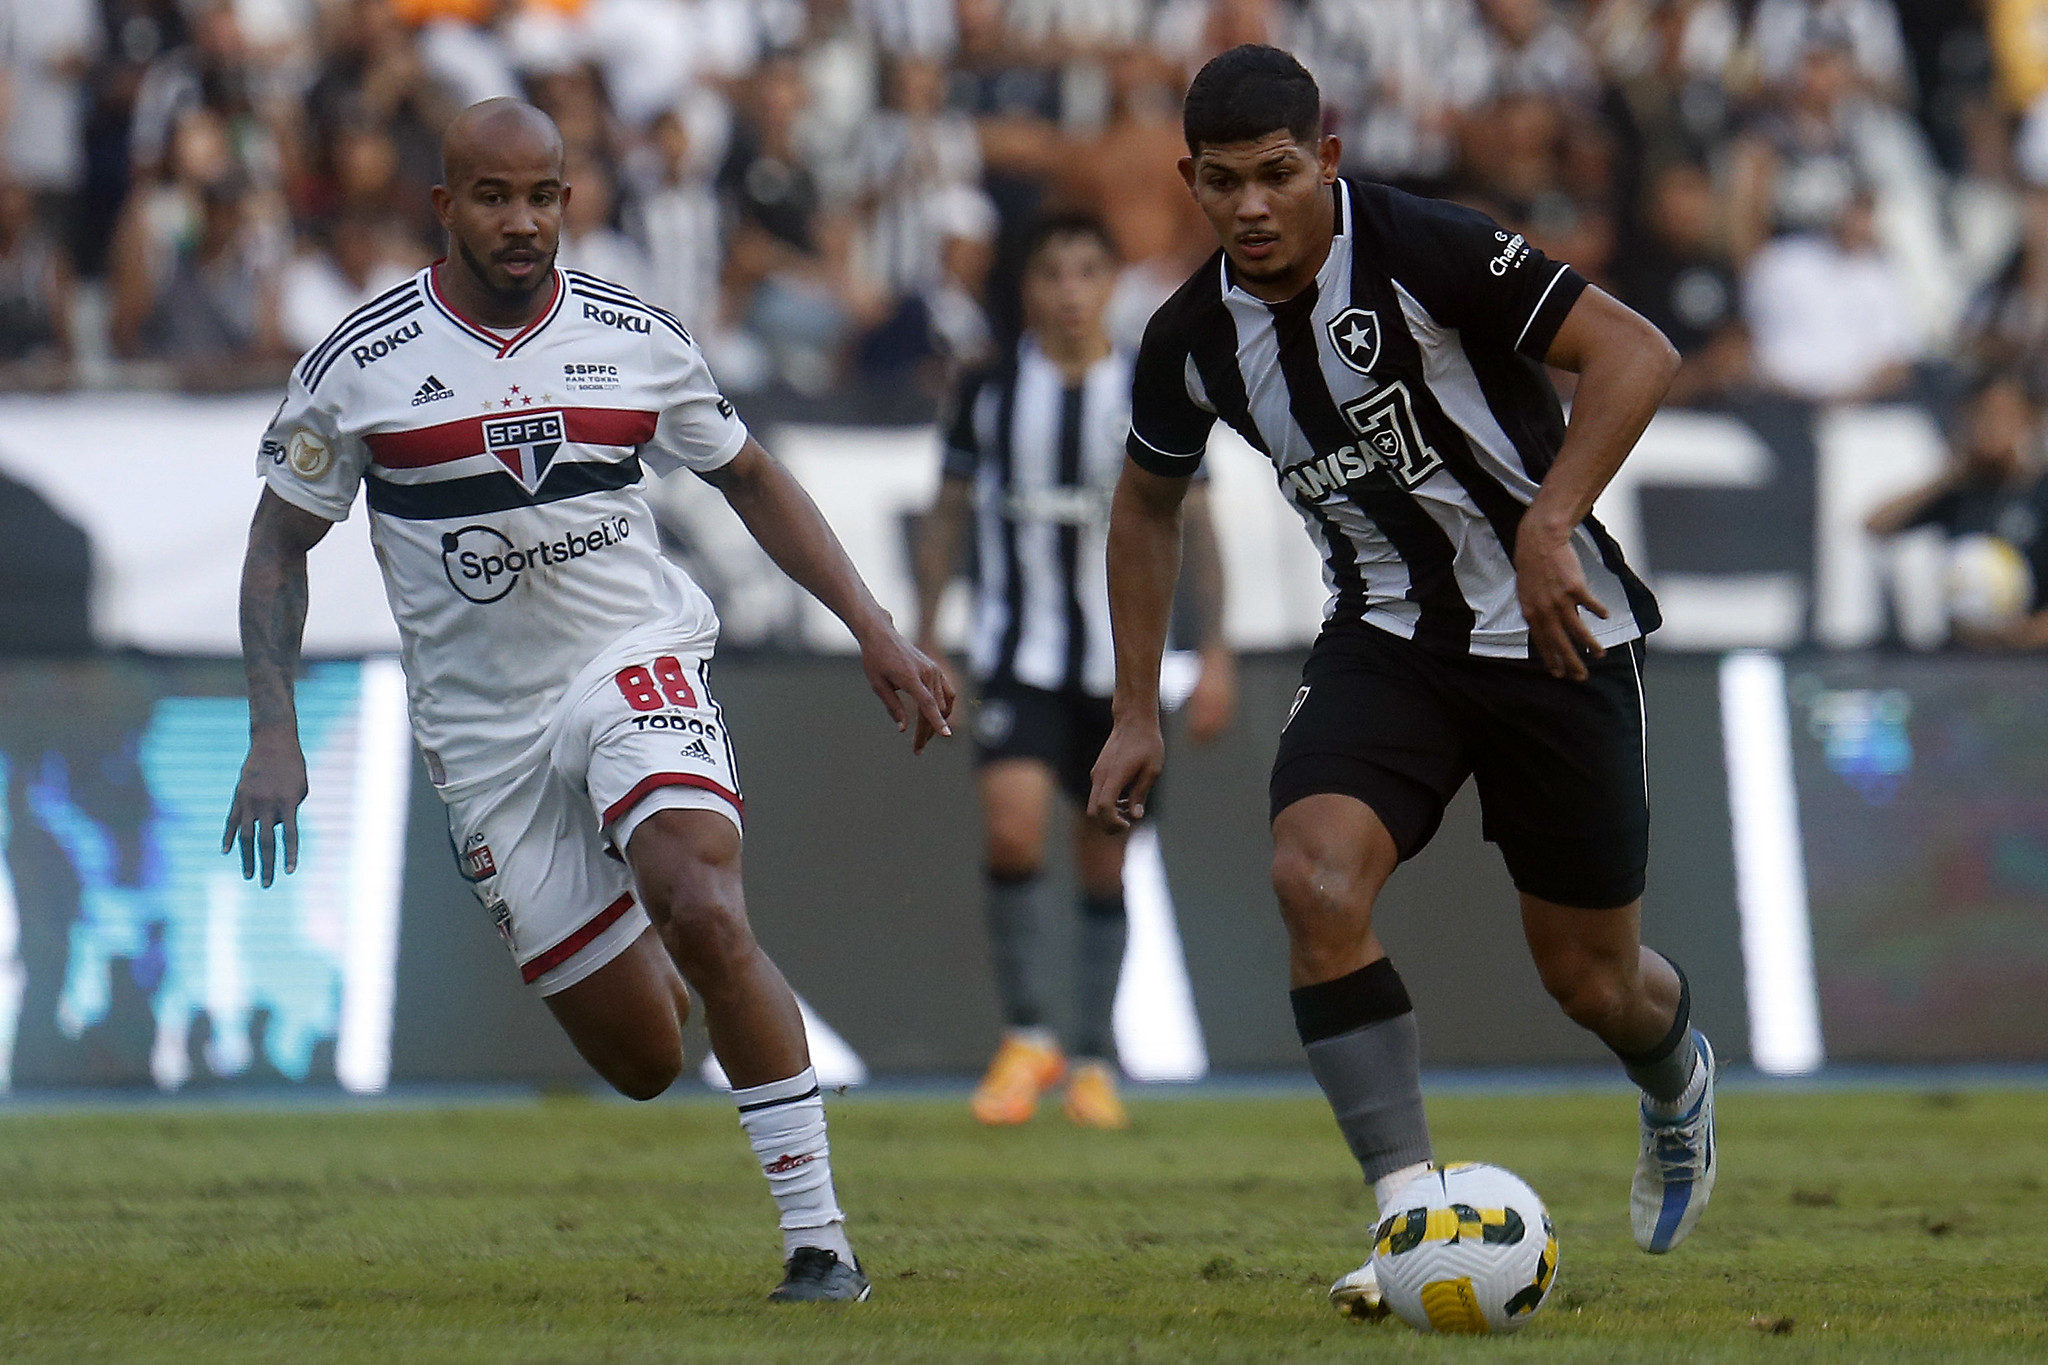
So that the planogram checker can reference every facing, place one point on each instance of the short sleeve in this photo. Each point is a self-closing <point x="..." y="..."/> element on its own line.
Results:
<point x="308" y="459"/>
<point x="698" y="428"/>
<point x="962" y="438"/>
<point x="1169" y="426"/>
<point x="1472" y="274"/>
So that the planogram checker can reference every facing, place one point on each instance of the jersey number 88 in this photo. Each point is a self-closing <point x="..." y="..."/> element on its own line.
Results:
<point x="666" y="685"/>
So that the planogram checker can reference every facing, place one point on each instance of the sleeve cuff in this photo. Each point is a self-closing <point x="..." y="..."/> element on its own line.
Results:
<point x="1551" y="309"/>
<point x="730" y="450"/>
<point x="1153" y="460"/>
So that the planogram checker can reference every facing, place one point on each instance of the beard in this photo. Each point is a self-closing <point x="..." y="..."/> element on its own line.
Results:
<point x="515" y="294"/>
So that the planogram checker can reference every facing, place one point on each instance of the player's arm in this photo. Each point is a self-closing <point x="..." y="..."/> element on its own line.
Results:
<point x="1624" y="365"/>
<point x="782" y="518"/>
<point x="938" y="551"/>
<point x="1144" y="563"/>
<point x="273" y="615"/>
<point x="1214" y="700"/>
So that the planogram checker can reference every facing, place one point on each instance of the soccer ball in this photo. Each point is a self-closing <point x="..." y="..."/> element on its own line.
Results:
<point x="1467" y="1249"/>
<point x="1990" y="584"/>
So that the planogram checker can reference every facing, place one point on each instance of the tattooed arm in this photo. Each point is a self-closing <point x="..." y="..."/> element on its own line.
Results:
<point x="273" y="626"/>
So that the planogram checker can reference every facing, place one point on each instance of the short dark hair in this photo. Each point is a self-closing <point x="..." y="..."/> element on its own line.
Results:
<point x="1050" y="227"/>
<point x="1247" y="93"/>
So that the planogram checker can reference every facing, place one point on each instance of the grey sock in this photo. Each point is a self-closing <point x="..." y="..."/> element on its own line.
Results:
<point x="1372" y="1077"/>
<point x="1016" y="935"/>
<point x="1663" y="1071"/>
<point x="1099" y="962"/>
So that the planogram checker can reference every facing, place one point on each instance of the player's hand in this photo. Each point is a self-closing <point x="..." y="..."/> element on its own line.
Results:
<point x="267" y="801"/>
<point x="896" y="671"/>
<point x="1213" y="703"/>
<point x="1552" y="588"/>
<point x="1125" y="771"/>
<point x="936" y="652"/>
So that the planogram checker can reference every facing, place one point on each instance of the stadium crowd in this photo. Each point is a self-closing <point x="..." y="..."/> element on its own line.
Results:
<point x="1810" y="196"/>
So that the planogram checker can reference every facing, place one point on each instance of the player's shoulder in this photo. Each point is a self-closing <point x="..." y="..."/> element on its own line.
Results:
<point x="596" y="301"/>
<point x="1395" y="217"/>
<point x="369" y="333"/>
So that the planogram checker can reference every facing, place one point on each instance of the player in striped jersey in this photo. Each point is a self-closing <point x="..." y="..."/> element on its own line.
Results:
<point x="1032" y="455"/>
<point x="1387" y="352"/>
<point x="499" y="416"/>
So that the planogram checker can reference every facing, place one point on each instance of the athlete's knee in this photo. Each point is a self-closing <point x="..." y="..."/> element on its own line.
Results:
<point x="1593" y="991"/>
<point x="1016" y="849"/>
<point x="1322" y="895"/>
<point x="645" y="1073"/>
<point x="705" y="929"/>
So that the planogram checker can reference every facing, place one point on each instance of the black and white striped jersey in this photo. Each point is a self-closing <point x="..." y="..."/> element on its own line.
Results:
<point x="1044" y="459"/>
<point x="1403" y="402"/>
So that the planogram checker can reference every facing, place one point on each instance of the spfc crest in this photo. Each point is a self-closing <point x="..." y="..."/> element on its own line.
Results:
<point x="1355" y="333"/>
<point x="525" y="444"/>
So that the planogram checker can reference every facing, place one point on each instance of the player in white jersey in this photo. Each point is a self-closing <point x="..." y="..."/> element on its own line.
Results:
<point x="500" y="416"/>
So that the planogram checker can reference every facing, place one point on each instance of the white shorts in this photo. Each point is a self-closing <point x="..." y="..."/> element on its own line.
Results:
<point x="543" y="848"/>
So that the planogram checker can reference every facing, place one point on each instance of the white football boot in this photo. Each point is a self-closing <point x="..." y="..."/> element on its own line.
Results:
<point x="1357" y="1295"/>
<point x="1676" y="1167"/>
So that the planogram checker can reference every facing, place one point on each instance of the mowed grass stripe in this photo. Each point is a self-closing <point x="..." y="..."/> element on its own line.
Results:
<point x="1868" y="1227"/>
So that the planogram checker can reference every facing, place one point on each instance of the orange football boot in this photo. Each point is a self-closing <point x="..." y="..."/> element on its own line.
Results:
<point x="1092" y="1101"/>
<point x="1021" y="1072"/>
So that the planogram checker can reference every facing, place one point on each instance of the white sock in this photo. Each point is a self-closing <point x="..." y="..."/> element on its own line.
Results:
<point x="1036" y="1037"/>
<point x="1695" y="1086"/>
<point x="785" y="1122"/>
<point x="1387" y="1187"/>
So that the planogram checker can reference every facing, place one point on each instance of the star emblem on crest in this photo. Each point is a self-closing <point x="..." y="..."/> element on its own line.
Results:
<point x="1355" y="333"/>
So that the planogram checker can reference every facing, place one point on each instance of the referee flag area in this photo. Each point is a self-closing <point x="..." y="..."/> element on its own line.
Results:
<point x="1857" y="1225"/>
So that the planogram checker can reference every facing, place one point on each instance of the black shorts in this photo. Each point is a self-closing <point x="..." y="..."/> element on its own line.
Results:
<point x="1559" y="764"/>
<point x="1063" y="730"/>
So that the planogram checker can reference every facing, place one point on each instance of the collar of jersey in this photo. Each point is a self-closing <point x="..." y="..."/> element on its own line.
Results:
<point x="1342" y="189"/>
<point x="500" y="346"/>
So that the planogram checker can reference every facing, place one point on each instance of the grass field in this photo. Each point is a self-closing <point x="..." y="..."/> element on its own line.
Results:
<point x="1848" y="1227"/>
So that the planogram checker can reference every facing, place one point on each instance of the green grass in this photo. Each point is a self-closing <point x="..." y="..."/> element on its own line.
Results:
<point x="1880" y="1227"/>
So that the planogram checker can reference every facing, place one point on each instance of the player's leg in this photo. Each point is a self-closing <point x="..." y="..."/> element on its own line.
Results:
<point x="1092" y="1100"/>
<point x="1017" y="742"/>
<point x="1638" y="1003"/>
<point x="1016" y="801"/>
<point x="1564" y="791"/>
<point x="1366" y="764"/>
<point x="1102" y="930"/>
<point x="687" y="865"/>
<point x="626" y="1019"/>
<point x="661" y="785"/>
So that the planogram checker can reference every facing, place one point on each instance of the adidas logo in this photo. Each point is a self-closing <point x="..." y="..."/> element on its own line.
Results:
<point x="695" y="749"/>
<point x="433" y="391"/>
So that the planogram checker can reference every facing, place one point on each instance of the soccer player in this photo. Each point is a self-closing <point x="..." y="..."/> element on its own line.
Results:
<point x="1387" y="353"/>
<point x="1032" y="455"/>
<point x="500" y="416"/>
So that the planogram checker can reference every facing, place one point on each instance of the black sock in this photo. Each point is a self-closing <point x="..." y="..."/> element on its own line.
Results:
<point x="1016" y="937"/>
<point x="1662" y="1072"/>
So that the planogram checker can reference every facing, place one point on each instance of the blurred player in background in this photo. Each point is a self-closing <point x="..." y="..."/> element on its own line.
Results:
<point x="1386" y="352"/>
<point x="1032" y="454"/>
<point x="499" y="415"/>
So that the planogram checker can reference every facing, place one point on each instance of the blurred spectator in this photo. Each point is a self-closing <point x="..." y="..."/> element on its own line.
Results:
<point x="1532" y="50"/>
<point x="1398" y="76"/>
<point x="676" y="223"/>
<point x="1678" y="275"/>
<point x="1530" y="163"/>
<point x="909" y="155"/>
<point x="1867" y="30"/>
<point x="2007" y="325"/>
<point x="360" y="257"/>
<point x="786" y="271"/>
<point x="591" y="240"/>
<point x="1994" y="486"/>
<point x="1828" y="314"/>
<point x="35" y="297"/>
<point x="215" y="317"/>
<point x="46" y="47"/>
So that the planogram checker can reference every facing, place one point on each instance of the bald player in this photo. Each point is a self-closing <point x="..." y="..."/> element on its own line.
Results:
<point x="500" y="416"/>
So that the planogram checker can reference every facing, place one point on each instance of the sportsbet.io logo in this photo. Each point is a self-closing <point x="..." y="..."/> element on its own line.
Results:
<point x="483" y="563"/>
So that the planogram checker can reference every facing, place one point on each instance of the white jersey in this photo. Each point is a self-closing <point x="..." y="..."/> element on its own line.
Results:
<point x="504" y="476"/>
